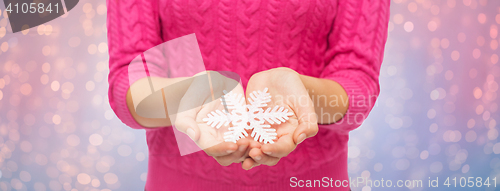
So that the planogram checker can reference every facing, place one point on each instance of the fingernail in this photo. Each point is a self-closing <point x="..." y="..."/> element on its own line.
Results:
<point x="301" y="138"/>
<point x="258" y="157"/>
<point x="268" y="153"/>
<point x="242" y="148"/>
<point x="230" y="151"/>
<point x="190" y="132"/>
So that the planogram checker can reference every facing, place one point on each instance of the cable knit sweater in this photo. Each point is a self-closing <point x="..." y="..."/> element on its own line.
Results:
<point x="341" y="40"/>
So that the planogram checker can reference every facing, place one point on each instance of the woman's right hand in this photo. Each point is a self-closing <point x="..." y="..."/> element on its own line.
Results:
<point x="201" y="98"/>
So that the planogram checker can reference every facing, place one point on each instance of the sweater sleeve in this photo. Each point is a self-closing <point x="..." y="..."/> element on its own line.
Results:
<point x="355" y="53"/>
<point x="133" y="27"/>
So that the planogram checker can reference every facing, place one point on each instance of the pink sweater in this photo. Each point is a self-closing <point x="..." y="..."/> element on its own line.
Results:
<point x="341" y="40"/>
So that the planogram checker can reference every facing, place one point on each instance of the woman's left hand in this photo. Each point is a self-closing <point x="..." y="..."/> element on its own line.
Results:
<point x="287" y="90"/>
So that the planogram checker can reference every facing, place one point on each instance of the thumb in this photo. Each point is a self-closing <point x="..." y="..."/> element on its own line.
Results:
<point x="187" y="125"/>
<point x="308" y="127"/>
<point x="189" y="106"/>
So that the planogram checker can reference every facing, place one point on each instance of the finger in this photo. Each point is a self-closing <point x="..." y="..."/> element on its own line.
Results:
<point x="308" y="127"/>
<point x="235" y="157"/>
<point x="243" y="145"/>
<point x="255" y="144"/>
<point x="280" y="148"/>
<point x="248" y="164"/>
<point x="229" y="159"/>
<point x="238" y="156"/>
<point x="221" y="149"/>
<point x="259" y="157"/>
<point x="186" y="123"/>
<point x="223" y="162"/>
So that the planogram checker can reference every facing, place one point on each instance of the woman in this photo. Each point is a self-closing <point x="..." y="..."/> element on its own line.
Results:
<point x="327" y="50"/>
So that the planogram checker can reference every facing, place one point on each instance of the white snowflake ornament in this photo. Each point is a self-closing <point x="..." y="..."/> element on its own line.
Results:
<point x="251" y="117"/>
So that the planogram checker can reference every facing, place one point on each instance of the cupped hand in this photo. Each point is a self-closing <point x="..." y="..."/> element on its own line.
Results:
<point x="287" y="90"/>
<point x="201" y="98"/>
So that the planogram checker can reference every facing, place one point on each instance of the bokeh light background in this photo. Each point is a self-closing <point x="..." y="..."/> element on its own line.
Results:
<point x="436" y="115"/>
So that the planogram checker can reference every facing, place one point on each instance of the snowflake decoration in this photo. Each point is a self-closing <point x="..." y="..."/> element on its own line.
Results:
<point x="251" y="117"/>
